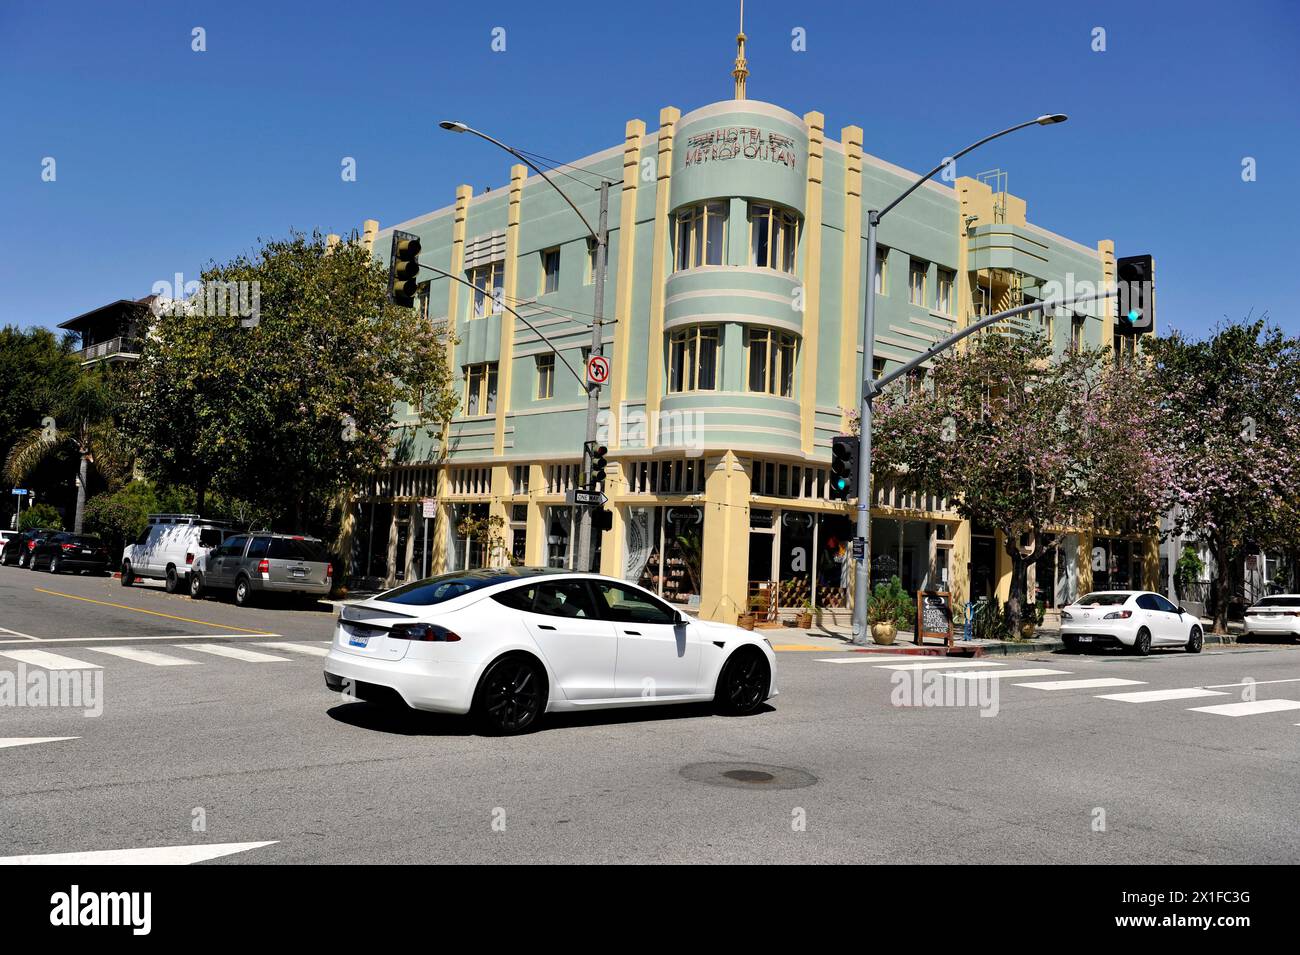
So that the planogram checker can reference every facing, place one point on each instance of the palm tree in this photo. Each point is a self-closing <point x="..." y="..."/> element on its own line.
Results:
<point x="82" y="419"/>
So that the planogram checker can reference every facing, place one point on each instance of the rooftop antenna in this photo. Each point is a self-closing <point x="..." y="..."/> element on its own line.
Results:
<point x="742" y="69"/>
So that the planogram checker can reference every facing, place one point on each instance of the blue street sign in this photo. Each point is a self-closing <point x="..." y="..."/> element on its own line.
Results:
<point x="19" y="490"/>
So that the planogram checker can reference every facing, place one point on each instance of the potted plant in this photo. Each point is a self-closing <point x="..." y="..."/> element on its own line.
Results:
<point x="888" y="611"/>
<point x="757" y="607"/>
<point x="805" y="619"/>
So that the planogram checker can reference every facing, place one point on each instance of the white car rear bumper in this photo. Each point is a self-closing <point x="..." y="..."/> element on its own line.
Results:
<point x="438" y="686"/>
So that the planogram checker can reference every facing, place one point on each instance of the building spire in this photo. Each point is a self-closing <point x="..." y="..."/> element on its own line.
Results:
<point x="741" y="72"/>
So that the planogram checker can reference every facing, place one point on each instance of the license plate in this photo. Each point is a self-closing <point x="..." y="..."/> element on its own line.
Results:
<point x="1085" y="639"/>
<point x="87" y="551"/>
<point x="299" y="572"/>
<point x="357" y="641"/>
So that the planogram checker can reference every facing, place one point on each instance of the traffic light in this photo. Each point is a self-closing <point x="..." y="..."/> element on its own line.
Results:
<point x="403" y="269"/>
<point x="596" y="463"/>
<point x="602" y="520"/>
<point x="844" y="467"/>
<point x="1135" y="282"/>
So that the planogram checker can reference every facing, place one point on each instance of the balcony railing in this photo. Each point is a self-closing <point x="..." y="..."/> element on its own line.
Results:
<point x="124" y="347"/>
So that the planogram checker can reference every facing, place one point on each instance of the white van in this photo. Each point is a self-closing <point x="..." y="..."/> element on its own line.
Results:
<point x="169" y="546"/>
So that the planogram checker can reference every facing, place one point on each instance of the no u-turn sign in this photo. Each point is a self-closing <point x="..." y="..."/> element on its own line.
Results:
<point x="597" y="370"/>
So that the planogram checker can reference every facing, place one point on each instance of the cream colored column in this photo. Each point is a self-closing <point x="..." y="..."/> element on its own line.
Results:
<point x="850" y="304"/>
<point x="1085" y="561"/>
<point x="812" y="271"/>
<point x="625" y="273"/>
<point x="1002" y="566"/>
<point x="497" y="507"/>
<point x="369" y="229"/>
<point x="535" y="548"/>
<point x="510" y="288"/>
<point x="726" y="539"/>
<point x="668" y="117"/>
<point x="959" y="565"/>
<point x="391" y="579"/>
<point x="410" y="560"/>
<point x="1106" y="248"/>
<point x="438" y="533"/>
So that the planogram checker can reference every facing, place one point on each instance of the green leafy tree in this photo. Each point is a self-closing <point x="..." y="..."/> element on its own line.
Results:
<point x="79" y="418"/>
<point x="1023" y="441"/>
<point x="119" y="516"/>
<point x="40" y="515"/>
<point x="1234" y="402"/>
<point x="291" y="408"/>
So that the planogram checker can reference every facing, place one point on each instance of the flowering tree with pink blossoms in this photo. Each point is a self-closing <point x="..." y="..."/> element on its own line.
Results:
<point x="1024" y="441"/>
<point x="1233" y="402"/>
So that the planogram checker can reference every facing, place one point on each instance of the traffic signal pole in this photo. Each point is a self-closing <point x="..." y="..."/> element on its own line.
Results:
<point x="593" y="389"/>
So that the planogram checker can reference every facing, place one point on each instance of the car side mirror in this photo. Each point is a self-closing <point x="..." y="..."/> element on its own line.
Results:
<point x="679" y="618"/>
<point x="1183" y="610"/>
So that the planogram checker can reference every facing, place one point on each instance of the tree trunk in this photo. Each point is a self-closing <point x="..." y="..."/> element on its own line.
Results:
<point x="81" y="493"/>
<point x="1222" y="585"/>
<point x="1016" y="596"/>
<point x="200" y="497"/>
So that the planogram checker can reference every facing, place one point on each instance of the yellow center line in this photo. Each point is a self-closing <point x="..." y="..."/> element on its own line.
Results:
<point x="154" y="613"/>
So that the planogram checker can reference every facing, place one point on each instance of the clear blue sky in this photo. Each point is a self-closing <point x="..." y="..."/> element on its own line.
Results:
<point x="167" y="158"/>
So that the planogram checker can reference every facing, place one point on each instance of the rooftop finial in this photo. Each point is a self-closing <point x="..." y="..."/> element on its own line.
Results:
<point x="742" y="70"/>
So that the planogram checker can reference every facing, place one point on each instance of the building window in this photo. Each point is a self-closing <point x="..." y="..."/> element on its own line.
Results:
<point x="882" y="273"/>
<point x="877" y="366"/>
<point x="771" y="357"/>
<point x="693" y="359"/>
<point x="486" y="280"/>
<point x="550" y="271"/>
<point x="916" y="282"/>
<point x="422" y="300"/>
<point x="481" y="389"/>
<point x="546" y="376"/>
<point x="591" y="262"/>
<point x="943" y="291"/>
<point x="772" y="237"/>
<point x="701" y="235"/>
<point x="1077" y="325"/>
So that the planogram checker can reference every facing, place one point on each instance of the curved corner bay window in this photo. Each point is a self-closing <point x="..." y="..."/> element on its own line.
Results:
<point x="693" y="359"/>
<point x="700" y="234"/>
<point x="771" y="361"/>
<point x="773" y="237"/>
<point x="487" y="281"/>
<point x="481" y="389"/>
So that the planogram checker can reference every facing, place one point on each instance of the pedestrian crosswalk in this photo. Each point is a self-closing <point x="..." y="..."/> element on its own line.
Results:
<point x="177" y="655"/>
<point x="999" y="672"/>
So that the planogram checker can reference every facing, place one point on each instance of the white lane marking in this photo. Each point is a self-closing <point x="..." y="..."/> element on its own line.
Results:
<point x="18" y="633"/>
<point x="1248" y="708"/>
<point x="235" y="653"/>
<point x="170" y="636"/>
<point x="8" y="741"/>
<point x="1081" y="684"/>
<point x="156" y="855"/>
<point x="1224" y="686"/>
<point x="1002" y="674"/>
<point x="296" y="648"/>
<point x="47" y="661"/>
<point x="1155" y="696"/>
<point x="939" y="665"/>
<point x="151" y="657"/>
<point x="867" y="659"/>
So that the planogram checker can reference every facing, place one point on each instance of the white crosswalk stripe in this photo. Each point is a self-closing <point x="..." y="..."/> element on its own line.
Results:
<point x="1003" y="674"/>
<point x="939" y="664"/>
<point x="1156" y="696"/>
<point x="151" y="657"/>
<point x="48" y="661"/>
<point x="235" y="653"/>
<point x="1248" y="707"/>
<point x="1089" y="684"/>
<point x="307" y="648"/>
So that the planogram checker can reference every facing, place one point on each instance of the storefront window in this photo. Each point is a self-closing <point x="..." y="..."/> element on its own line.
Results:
<point x="665" y="551"/>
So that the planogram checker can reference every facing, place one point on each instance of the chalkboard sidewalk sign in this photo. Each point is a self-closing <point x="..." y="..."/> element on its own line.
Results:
<point x="934" y="616"/>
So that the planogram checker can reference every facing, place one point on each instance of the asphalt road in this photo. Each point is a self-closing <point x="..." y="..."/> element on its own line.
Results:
<point x="259" y="751"/>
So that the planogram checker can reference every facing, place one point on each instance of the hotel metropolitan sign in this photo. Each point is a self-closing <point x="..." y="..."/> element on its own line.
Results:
<point x="739" y="142"/>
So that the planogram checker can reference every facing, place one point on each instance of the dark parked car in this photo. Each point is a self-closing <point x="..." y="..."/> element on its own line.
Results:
<point x="18" y="549"/>
<point x="75" y="552"/>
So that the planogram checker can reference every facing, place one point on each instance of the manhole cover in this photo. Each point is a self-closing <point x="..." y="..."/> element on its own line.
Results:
<point x="748" y="775"/>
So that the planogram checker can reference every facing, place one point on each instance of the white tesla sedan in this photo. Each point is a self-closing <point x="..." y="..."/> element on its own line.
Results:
<point x="1136" y="619"/>
<point x="511" y="644"/>
<point x="1278" y="615"/>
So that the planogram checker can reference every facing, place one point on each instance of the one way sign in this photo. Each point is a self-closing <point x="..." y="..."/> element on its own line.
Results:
<point x="586" y="498"/>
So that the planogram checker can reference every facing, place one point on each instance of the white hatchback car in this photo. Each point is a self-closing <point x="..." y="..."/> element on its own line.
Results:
<point x="1135" y="619"/>
<point x="511" y="644"/>
<point x="1275" y="616"/>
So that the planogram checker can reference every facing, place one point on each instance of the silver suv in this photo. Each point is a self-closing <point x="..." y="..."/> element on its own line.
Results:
<point x="264" y="563"/>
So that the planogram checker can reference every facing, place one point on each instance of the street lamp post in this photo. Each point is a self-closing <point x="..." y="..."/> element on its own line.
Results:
<point x="600" y="235"/>
<point x="869" y="388"/>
